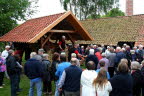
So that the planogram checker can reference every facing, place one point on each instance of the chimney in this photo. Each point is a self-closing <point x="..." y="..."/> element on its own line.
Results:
<point x="129" y="7"/>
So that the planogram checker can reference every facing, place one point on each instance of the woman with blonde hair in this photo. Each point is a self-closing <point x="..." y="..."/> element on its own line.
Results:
<point x="101" y="84"/>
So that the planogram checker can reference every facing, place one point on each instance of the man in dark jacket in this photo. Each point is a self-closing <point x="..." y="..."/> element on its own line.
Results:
<point x="70" y="79"/>
<point x="119" y="55"/>
<point x="33" y="70"/>
<point x="92" y="57"/>
<point x="47" y="87"/>
<point x="12" y="70"/>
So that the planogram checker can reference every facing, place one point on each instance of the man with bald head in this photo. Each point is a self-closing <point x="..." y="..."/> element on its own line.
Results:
<point x="70" y="80"/>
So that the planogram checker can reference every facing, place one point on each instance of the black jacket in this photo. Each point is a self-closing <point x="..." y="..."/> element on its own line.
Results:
<point x="53" y="69"/>
<point x="122" y="85"/>
<point x="12" y="67"/>
<point x="33" y="69"/>
<point x="92" y="58"/>
<point x="137" y="82"/>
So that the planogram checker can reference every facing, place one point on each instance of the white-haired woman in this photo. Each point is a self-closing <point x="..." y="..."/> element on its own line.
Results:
<point x="137" y="78"/>
<point x="73" y="55"/>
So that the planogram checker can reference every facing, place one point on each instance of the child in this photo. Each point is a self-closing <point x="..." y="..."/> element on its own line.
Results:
<point x="101" y="84"/>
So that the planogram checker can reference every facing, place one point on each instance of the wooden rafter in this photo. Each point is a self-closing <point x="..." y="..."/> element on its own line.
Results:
<point x="62" y="31"/>
<point x="71" y="38"/>
<point x="42" y="45"/>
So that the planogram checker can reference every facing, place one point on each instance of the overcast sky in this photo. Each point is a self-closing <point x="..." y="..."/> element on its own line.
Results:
<point x="48" y="7"/>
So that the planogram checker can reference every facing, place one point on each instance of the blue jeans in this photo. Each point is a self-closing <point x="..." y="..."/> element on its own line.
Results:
<point x="38" y="83"/>
<point x="56" y="89"/>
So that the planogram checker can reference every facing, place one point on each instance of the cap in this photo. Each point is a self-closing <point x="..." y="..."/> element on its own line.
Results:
<point x="41" y="50"/>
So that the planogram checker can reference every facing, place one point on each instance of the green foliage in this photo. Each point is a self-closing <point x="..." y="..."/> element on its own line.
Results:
<point x="84" y="9"/>
<point x="114" y="12"/>
<point x="13" y="10"/>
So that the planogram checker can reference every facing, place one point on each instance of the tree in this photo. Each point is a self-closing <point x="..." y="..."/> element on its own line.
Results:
<point x="114" y="12"/>
<point x="13" y="10"/>
<point x="88" y="8"/>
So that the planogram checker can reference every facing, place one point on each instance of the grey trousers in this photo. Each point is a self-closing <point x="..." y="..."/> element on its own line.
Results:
<point x="67" y="93"/>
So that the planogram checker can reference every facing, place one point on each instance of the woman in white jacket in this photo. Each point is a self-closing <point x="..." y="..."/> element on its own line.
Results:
<point x="101" y="85"/>
<point x="87" y="79"/>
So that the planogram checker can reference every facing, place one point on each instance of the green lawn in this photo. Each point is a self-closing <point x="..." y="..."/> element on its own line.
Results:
<point x="24" y="84"/>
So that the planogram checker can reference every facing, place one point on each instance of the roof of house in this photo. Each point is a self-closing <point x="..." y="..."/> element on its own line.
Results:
<point x="32" y="30"/>
<point x="110" y="31"/>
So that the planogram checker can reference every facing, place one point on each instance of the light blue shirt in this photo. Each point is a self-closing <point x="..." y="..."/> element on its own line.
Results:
<point x="108" y="75"/>
<point x="61" y="68"/>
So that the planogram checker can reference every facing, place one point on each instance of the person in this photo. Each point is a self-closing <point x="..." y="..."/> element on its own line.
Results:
<point x="137" y="78"/>
<point x="98" y="53"/>
<point x="2" y="70"/>
<point x="33" y="70"/>
<point x="19" y="68"/>
<point x="106" y="62"/>
<point x="111" y="57"/>
<point x="142" y="71"/>
<point x="41" y="52"/>
<point x="59" y="71"/>
<point x="47" y="87"/>
<point x="134" y="56"/>
<point x="62" y="44"/>
<point x="119" y="55"/>
<point x="70" y="79"/>
<point x="92" y="57"/>
<point x="101" y="84"/>
<point x="140" y="53"/>
<point x="102" y="65"/>
<point x="107" y="50"/>
<point x="87" y="78"/>
<point x="122" y="83"/>
<point x="55" y="62"/>
<point x="12" y="69"/>
<point x="5" y="55"/>
<point x="5" y="52"/>
<point x="73" y="55"/>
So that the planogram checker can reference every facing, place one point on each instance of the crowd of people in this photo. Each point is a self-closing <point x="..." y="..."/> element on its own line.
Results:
<point x="108" y="71"/>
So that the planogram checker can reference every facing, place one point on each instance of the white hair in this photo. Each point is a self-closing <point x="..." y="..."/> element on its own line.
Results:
<point x="91" y="51"/>
<point x="7" y="46"/>
<point x="45" y="56"/>
<point x="73" y="55"/>
<point x="32" y="55"/>
<point x="135" y="65"/>
<point x="118" y="48"/>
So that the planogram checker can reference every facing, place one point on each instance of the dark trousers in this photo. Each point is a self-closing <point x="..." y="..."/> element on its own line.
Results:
<point x="13" y="82"/>
<point x="47" y="86"/>
<point x="1" y="78"/>
<point x="111" y="71"/>
<point x="143" y="91"/>
<point x="18" y="81"/>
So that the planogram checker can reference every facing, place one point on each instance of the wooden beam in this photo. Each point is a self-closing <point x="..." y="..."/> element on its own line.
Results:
<point x="72" y="40"/>
<point x="46" y="39"/>
<point x="62" y="31"/>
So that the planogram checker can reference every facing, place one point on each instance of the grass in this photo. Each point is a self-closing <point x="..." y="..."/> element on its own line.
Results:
<point x="24" y="84"/>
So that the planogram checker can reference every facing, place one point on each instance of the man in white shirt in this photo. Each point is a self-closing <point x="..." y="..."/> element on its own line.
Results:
<point x="5" y="52"/>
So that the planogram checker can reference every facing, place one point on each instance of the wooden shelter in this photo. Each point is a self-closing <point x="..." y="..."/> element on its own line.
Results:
<point x="43" y="29"/>
<point x="114" y="30"/>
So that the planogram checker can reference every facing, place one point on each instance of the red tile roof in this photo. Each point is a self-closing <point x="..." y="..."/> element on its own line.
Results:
<point x="29" y="29"/>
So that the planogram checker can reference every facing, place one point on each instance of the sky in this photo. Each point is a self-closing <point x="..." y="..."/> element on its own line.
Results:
<point x="48" y="7"/>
